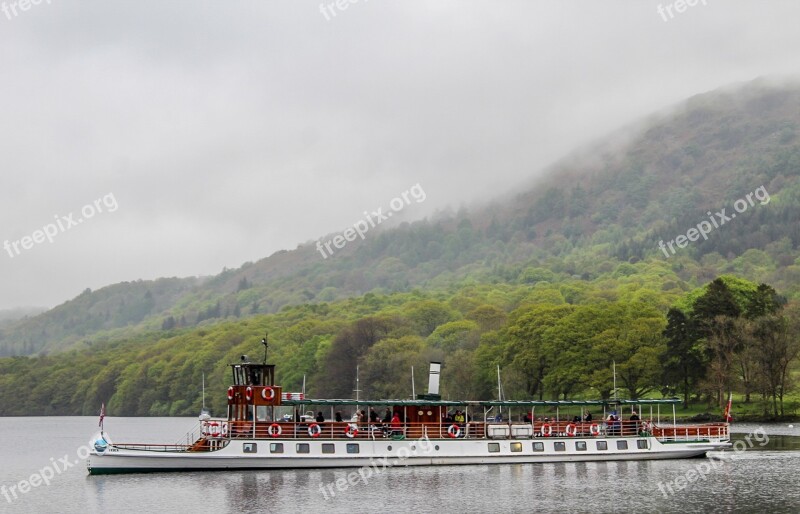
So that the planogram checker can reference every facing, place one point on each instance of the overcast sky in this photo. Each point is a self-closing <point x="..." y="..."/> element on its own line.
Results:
<point x="225" y="131"/>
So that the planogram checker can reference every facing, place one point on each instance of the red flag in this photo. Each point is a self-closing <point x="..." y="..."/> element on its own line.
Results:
<point x="727" y="416"/>
<point x="102" y="414"/>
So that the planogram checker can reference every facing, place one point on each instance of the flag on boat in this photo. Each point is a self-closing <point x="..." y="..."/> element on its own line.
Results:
<point x="727" y="416"/>
<point x="102" y="414"/>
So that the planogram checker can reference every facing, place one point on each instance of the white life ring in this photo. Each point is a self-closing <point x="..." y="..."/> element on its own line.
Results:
<point x="274" y="430"/>
<point x="572" y="430"/>
<point x="248" y="393"/>
<point x="314" y="430"/>
<point x="594" y="429"/>
<point x="454" y="431"/>
<point x="230" y="393"/>
<point x="268" y="394"/>
<point x="213" y="429"/>
<point x="351" y="431"/>
<point x="546" y="430"/>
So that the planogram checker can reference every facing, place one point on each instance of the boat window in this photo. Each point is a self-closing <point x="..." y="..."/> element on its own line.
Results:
<point x="516" y="447"/>
<point x="641" y="444"/>
<point x="538" y="447"/>
<point x="276" y="447"/>
<point x="602" y="445"/>
<point x="560" y="446"/>
<point x="250" y="448"/>
<point x="352" y="447"/>
<point x="494" y="447"/>
<point x="303" y="448"/>
<point x="622" y="445"/>
<point x="328" y="448"/>
<point x="580" y="446"/>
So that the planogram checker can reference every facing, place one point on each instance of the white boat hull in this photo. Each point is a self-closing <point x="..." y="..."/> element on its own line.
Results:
<point x="243" y="453"/>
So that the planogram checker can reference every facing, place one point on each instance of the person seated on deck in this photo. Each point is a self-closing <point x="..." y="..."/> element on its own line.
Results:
<point x="576" y="419"/>
<point x="338" y="416"/>
<point x="634" y="424"/>
<point x="588" y="417"/>
<point x="526" y="418"/>
<point x="387" y="416"/>
<point x="397" y="425"/>
<point x="373" y="416"/>
<point x="460" y="419"/>
<point x="320" y="417"/>
<point x="613" y="423"/>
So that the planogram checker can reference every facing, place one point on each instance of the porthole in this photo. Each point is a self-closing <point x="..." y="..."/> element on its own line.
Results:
<point x="390" y="447"/>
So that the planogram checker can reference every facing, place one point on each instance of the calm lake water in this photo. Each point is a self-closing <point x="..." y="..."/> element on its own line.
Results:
<point x="759" y="479"/>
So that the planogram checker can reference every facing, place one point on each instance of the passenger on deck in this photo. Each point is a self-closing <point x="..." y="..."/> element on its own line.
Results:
<point x="338" y="416"/>
<point x="588" y="417"/>
<point x="320" y="417"/>
<point x="526" y="418"/>
<point x="634" y="424"/>
<point x="387" y="416"/>
<point x="397" y="425"/>
<point x="613" y="423"/>
<point x="373" y="416"/>
<point x="363" y="417"/>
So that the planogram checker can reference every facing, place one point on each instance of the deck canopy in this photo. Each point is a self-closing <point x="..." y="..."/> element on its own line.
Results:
<point x="487" y="403"/>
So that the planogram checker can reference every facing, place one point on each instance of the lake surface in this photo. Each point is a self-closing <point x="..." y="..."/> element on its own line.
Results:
<point x="764" y="477"/>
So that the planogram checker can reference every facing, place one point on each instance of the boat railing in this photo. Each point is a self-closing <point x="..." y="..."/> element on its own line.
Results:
<point x="416" y="430"/>
<point x="681" y="433"/>
<point x="219" y="429"/>
<point x="154" y="447"/>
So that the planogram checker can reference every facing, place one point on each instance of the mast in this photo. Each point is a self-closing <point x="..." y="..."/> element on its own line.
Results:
<point x="614" y="364"/>
<point x="265" y="342"/>
<point x="499" y="389"/>
<point x="413" y="391"/>
<point x="357" y="389"/>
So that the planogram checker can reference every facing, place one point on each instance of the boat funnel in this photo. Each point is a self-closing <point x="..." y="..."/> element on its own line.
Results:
<point x="433" y="377"/>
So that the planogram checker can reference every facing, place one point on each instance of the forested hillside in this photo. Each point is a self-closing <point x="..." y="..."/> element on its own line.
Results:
<point x="551" y="283"/>
<point x="609" y="205"/>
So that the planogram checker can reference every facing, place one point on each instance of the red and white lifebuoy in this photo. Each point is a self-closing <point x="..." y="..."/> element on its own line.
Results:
<point x="594" y="429"/>
<point x="213" y="429"/>
<point x="268" y="394"/>
<point x="223" y="429"/>
<point x="572" y="430"/>
<point x="248" y="393"/>
<point x="230" y="393"/>
<point x="351" y="431"/>
<point x="454" y="431"/>
<point x="314" y="430"/>
<point x="546" y="430"/>
<point x="274" y="430"/>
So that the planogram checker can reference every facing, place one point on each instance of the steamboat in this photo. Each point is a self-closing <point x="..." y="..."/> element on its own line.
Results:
<point x="424" y="431"/>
